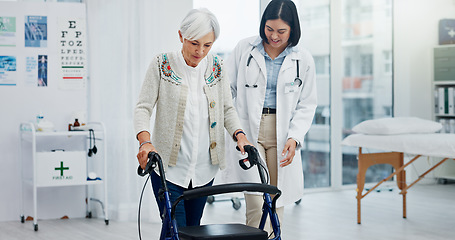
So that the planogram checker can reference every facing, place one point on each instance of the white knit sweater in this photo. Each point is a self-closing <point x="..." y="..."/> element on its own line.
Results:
<point x="162" y="89"/>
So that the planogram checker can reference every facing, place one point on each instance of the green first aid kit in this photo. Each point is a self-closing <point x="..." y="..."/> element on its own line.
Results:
<point x="61" y="168"/>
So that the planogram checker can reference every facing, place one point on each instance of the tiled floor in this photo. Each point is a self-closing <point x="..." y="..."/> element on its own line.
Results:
<point x="324" y="215"/>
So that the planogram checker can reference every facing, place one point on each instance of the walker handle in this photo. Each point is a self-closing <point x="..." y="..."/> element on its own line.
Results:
<point x="151" y="164"/>
<point x="253" y="159"/>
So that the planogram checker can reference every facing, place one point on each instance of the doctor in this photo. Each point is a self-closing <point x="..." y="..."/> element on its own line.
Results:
<point x="274" y="91"/>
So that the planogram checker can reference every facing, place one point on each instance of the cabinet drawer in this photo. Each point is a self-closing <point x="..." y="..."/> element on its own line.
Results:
<point x="61" y="168"/>
<point x="442" y="52"/>
<point x="444" y="74"/>
<point x="444" y="62"/>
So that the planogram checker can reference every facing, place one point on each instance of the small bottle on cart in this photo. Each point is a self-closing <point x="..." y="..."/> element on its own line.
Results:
<point x="76" y="123"/>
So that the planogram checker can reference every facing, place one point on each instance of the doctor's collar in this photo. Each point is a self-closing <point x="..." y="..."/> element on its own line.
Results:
<point x="283" y="54"/>
<point x="258" y="41"/>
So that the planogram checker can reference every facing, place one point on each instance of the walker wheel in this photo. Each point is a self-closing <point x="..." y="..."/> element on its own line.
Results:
<point x="22" y="219"/>
<point x="106" y="221"/>
<point x="298" y="201"/>
<point x="442" y="181"/>
<point x="35" y="227"/>
<point x="236" y="204"/>
<point x="210" y="199"/>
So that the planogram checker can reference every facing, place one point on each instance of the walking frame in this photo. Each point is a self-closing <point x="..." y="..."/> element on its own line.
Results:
<point x="169" y="229"/>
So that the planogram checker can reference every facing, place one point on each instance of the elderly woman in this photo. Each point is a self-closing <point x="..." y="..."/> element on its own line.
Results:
<point x="193" y="105"/>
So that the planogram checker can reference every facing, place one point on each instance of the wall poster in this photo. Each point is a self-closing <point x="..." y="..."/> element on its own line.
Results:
<point x="8" y="71"/>
<point x="42" y="70"/>
<point x="72" y="32"/>
<point x="31" y="70"/>
<point x="7" y="31"/>
<point x="35" y="31"/>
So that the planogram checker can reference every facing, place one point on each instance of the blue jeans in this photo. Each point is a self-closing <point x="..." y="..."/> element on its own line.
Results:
<point x="187" y="212"/>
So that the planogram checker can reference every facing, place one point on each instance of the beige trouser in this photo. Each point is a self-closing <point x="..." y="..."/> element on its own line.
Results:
<point x="267" y="148"/>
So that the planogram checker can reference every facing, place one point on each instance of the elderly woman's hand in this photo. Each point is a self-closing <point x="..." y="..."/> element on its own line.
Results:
<point x="242" y="141"/>
<point x="142" y="156"/>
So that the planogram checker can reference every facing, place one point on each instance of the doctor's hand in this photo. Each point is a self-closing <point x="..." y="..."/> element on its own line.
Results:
<point x="142" y="156"/>
<point x="289" y="148"/>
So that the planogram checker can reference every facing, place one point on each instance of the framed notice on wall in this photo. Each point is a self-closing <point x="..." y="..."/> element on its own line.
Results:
<point x="35" y="31"/>
<point x="72" y="42"/>
<point x="8" y="70"/>
<point x="7" y="31"/>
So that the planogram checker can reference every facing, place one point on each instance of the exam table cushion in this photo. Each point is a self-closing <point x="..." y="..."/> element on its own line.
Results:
<point x="430" y="144"/>
<point x="397" y="125"/>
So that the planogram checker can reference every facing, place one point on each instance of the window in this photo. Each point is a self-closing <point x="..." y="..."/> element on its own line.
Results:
<point x="319" y="16"/>
<point x="366" y="64"/>
<point x="315" y="26"/>
<point x="238" y="19"/>
<point x="366" y="69"/>
<point x="387" y="62"/>
<point x="322" y="64"/>
<point x="367" y="84"/>
<point x="347" y="67"/>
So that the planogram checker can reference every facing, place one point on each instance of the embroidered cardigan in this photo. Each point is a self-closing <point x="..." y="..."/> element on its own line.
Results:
<point x="162" y="89"/>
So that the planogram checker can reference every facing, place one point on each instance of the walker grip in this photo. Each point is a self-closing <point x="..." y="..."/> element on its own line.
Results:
<point x="252" y="158"/>
<point x="151" y="164"/>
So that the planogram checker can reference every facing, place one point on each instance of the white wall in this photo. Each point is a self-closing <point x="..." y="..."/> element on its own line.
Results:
<point x="21" y="103"/>
<point x="415" y="34"/>
<point x="110" y="26"/>
<point x="124" y="38"/>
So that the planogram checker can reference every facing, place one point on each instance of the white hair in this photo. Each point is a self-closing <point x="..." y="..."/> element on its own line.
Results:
<point x="198" y="23"/>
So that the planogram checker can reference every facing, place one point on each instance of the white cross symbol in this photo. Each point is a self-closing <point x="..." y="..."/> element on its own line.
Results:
<point x="451" y="32"/>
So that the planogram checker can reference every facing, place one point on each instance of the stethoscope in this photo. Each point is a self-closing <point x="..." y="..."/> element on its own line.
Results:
<point x="297" y="80"/>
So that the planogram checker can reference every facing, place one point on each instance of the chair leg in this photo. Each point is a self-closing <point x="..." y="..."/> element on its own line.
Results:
<point x="358" y="209"/>
<point x="362" y="169"/>
<point x="404" y="205"/>
<point x="369" y="159"/>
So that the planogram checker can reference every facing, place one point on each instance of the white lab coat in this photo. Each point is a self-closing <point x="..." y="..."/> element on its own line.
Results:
<point x="295" y="111"/>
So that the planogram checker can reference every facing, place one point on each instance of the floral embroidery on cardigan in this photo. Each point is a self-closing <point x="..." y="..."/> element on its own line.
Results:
<point x="216" y="71"/>
<point x="167" y="70"/>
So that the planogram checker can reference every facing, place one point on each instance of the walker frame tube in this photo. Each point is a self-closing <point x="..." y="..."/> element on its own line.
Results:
<point x="169" y="223"/>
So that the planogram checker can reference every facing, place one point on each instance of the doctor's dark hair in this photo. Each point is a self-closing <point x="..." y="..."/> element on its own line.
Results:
<point x="286" y="11"/>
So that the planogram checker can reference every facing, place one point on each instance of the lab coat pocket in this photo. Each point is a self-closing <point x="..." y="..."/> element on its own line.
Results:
<point x="292" y="93"/>
<point x="291" y="87"/>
